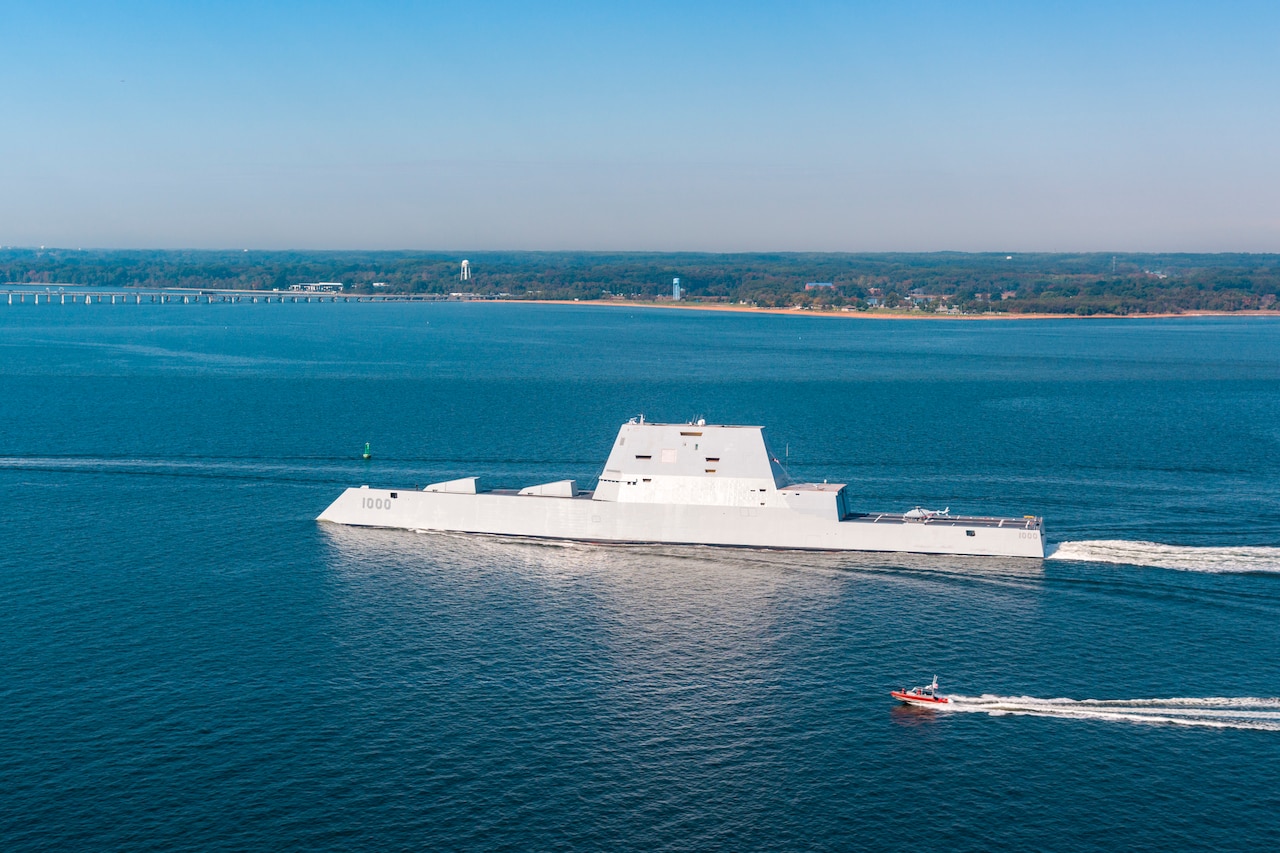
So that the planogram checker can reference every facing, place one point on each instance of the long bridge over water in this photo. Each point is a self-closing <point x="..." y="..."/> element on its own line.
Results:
<point x="62" y="295"/>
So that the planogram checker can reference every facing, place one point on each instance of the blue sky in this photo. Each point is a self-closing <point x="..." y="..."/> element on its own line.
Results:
<point x="752" y="126"/>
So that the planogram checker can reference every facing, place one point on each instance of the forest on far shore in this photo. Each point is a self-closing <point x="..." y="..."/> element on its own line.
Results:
<point x="1095" y="283"/>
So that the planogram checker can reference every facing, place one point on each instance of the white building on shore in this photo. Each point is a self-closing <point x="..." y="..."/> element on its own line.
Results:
<point x="318" y="287"/>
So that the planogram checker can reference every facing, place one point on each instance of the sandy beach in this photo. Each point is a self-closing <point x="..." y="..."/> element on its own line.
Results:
<point x="885" y="314"/>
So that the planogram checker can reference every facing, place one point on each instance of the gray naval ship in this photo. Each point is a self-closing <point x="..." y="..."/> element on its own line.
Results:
<point x="692" y="484"/>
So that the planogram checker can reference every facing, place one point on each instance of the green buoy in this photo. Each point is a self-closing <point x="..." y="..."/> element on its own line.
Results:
<point x="367" y="454"/>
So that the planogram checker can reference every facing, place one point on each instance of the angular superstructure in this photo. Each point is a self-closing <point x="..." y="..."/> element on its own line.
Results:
<point x="694" y="484"/>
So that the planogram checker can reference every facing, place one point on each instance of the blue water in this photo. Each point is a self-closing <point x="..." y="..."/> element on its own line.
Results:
<point x="191" y="662"/>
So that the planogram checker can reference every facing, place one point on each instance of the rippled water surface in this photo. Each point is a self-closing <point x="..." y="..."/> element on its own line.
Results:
<point x="192" y="662"/>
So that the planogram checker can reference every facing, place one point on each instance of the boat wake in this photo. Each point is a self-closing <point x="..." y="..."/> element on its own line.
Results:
<point x="1243" y="558"/>
<point x="1211" y="711"/>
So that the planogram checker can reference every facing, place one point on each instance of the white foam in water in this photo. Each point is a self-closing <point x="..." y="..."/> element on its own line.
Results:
<point x="1242" y="558"/>
<point x="1212" y="711"/>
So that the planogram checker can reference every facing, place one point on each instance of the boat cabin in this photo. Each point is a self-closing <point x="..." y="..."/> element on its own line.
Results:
<point x="700" y="463"/>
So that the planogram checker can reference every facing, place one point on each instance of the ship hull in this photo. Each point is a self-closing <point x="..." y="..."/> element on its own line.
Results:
<point x="582" y="519"/>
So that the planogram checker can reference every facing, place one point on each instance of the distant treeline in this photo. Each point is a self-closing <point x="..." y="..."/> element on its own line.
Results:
<point x="1022" y="283"/>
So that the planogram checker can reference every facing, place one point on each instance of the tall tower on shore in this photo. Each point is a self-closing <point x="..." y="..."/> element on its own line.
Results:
<point x="466" y="270"/>
<point x="675" y="290"/>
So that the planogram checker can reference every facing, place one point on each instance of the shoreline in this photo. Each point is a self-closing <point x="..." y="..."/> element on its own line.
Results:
<point x="877" y="315"/>
<point x="236" y="295"/>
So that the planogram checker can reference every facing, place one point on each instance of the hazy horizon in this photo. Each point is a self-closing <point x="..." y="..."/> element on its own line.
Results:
<point x="810" y="127"/>
<point x="451" y="253"/>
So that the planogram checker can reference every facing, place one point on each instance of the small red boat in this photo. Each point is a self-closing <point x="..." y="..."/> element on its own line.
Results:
<point x="924" y="697"/>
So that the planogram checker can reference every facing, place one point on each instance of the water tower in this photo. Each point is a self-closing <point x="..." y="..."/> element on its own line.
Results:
<point x="675" y="290"/>
<point x="466" y="270"/>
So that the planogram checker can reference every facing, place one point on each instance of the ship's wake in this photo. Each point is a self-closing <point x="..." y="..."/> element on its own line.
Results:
<point x="1242" y="558"/>
<point x="1209" y="711"/>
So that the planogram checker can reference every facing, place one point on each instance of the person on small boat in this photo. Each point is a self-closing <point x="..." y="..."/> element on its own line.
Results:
<point x="928" y="693"/>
